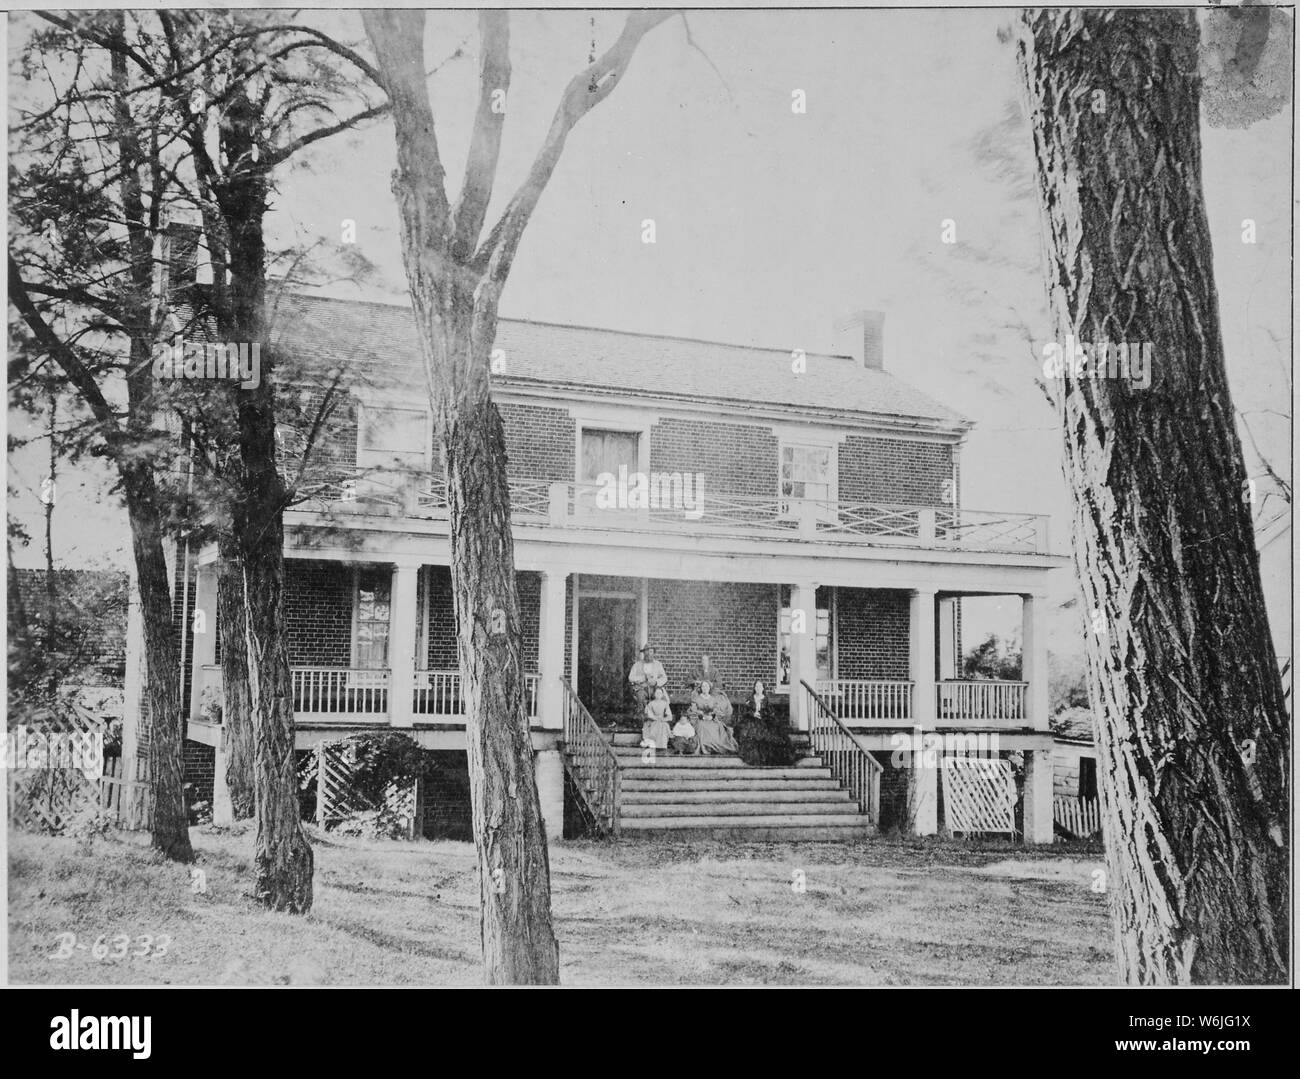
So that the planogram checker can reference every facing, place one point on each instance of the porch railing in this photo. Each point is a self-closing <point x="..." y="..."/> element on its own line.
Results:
<point x="592" y="764"/>
<point x="440" y="693"/>
<point x="580" y="505"/>
<point x="982" y="700"/>
<point x="340" y="691"/>
<point x="858" y="701"/>
<point x="852" y="765"/>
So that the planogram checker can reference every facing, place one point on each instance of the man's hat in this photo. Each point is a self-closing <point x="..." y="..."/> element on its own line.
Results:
<point x="646" y="648"/>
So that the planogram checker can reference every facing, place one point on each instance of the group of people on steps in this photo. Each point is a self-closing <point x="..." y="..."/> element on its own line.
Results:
<point x="708" y="724"/>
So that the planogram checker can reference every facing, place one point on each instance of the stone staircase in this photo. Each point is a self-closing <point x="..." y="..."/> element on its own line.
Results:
<point x="722" y="797"/>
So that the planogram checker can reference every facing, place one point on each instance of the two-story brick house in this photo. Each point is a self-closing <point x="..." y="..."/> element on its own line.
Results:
<point x="818" y="544"/>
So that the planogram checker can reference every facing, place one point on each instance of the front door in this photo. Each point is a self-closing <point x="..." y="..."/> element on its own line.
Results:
<point x="607" y="628"/>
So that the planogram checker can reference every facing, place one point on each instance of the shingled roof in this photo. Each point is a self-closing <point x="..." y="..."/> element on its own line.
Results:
<point x="380" y="339"/>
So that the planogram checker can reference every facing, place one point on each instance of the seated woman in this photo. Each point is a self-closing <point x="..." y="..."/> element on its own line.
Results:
<point x="762" y="738"/>
<point x="658" y="717"/>
<point x="711" y="710"/>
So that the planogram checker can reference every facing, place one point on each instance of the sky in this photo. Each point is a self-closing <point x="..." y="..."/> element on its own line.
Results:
<point x="770" y="224"/>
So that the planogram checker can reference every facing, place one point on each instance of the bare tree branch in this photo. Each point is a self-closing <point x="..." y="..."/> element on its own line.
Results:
<point x="485" y="144"/>
<point x="585" y="91"/>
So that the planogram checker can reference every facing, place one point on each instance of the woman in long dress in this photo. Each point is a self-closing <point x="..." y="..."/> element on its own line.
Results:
<point x="655" y="729"/>
<point x="761" y="737"/>
<point x="714" y="734"/>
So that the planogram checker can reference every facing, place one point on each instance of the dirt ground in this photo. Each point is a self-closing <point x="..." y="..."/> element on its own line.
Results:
<point x="878" y="912"/>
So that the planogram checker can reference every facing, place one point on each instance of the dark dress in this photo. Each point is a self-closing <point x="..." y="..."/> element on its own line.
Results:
<point x="763" y="738"/>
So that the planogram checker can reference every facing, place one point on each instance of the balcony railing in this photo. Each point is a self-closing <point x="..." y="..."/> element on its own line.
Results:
<point x="995" y="703"/>
<point x="858" y="702"/>
<point x="336" y="692"/>
<point x="878" y="703"/>
<point x="439" y="693"/>
<point x="582" y="505"/>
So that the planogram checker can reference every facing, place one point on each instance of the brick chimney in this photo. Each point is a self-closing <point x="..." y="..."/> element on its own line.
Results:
<point x="862" y="336"/>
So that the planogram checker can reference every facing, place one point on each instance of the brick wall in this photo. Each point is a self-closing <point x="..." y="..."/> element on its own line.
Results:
<point x="199" y="769"/>
<point x="539" y="442"/>
<point x="447" y="813"/>
<point x="873" y="629"/>
<point x="736" y="459"/>
<point x="318" y="612"/>
<point x="894" y="470"/>
<point x="735" y="623"/>
<point x="441" y="653"/>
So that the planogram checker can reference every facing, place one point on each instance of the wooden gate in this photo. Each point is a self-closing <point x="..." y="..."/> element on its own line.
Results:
<point x="979" y="795"/>
<point x="124" y="798"/>
<point x="1079" y="817"/>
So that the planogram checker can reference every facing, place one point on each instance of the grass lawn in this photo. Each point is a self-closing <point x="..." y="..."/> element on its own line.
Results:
<point x="876" y="912"/>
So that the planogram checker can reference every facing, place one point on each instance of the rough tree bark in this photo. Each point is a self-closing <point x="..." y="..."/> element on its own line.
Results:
<point x="455" y="285"/>
<point x="1193" y="734"/>
<point x="237" y="704"/>
<point x="283" y="857"/>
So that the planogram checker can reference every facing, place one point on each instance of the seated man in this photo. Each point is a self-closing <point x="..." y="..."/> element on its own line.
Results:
<point x="705" y="671"/>
<point x="646" y="676"/>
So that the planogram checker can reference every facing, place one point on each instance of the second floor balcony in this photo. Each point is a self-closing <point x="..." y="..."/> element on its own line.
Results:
<point x="673" y="509"/>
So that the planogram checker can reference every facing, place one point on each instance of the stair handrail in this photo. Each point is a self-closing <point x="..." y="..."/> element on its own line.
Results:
<point x="843" y="754"/>
<point x="593" y="762"/>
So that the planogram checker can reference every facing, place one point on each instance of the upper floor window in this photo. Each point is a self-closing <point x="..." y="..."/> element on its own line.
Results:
<point x="604" y="452"/>
<point x="396" y="438"/>
<point x="807" y="475"/>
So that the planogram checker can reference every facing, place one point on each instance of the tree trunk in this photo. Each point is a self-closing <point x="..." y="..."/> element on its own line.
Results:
<point x="169" y="825"/>
<point x="283" y="855"/>
<point x="237" y="704"/>
<point x="519" y="945"/>
<point x="1193" y="734"/>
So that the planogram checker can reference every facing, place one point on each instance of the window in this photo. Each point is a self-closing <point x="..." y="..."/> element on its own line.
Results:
<point x="807" y="475"/>
<point x="825" y="637"/>
<point x="1087" y="777"/>
<point x="396" y="438"/>
<point x="607" y="451"/>
<point x="371" y="613"/>
<point x="603" y="453"/>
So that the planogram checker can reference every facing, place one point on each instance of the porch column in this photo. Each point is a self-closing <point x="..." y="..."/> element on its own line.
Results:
<point x="803" y="649"/>
<point x="1033" y="635"/>
<point x="223" y="811"/>
<point x="550" y="658"/>
<point x="204" y="619"/>
<point x="402" y="635"/>
<point x="923" y="780"/>
<point x="948" y="658"/>
<point x="921" y="650"/>
<point x="1038" y="796"/>
<point x="133" y="681"/>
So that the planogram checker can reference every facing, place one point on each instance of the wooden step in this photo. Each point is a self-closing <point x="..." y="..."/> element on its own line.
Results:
<point x="745" y="810"/>
<point x="671" y="772"/>
<point x="799" y="785"/>
<point x="729" y="793"/>
<point x="770" y="825"/>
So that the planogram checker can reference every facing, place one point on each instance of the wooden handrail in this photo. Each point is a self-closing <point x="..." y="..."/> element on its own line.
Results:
<point x="592" y="762"/>
<point x="852" y="765"/>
